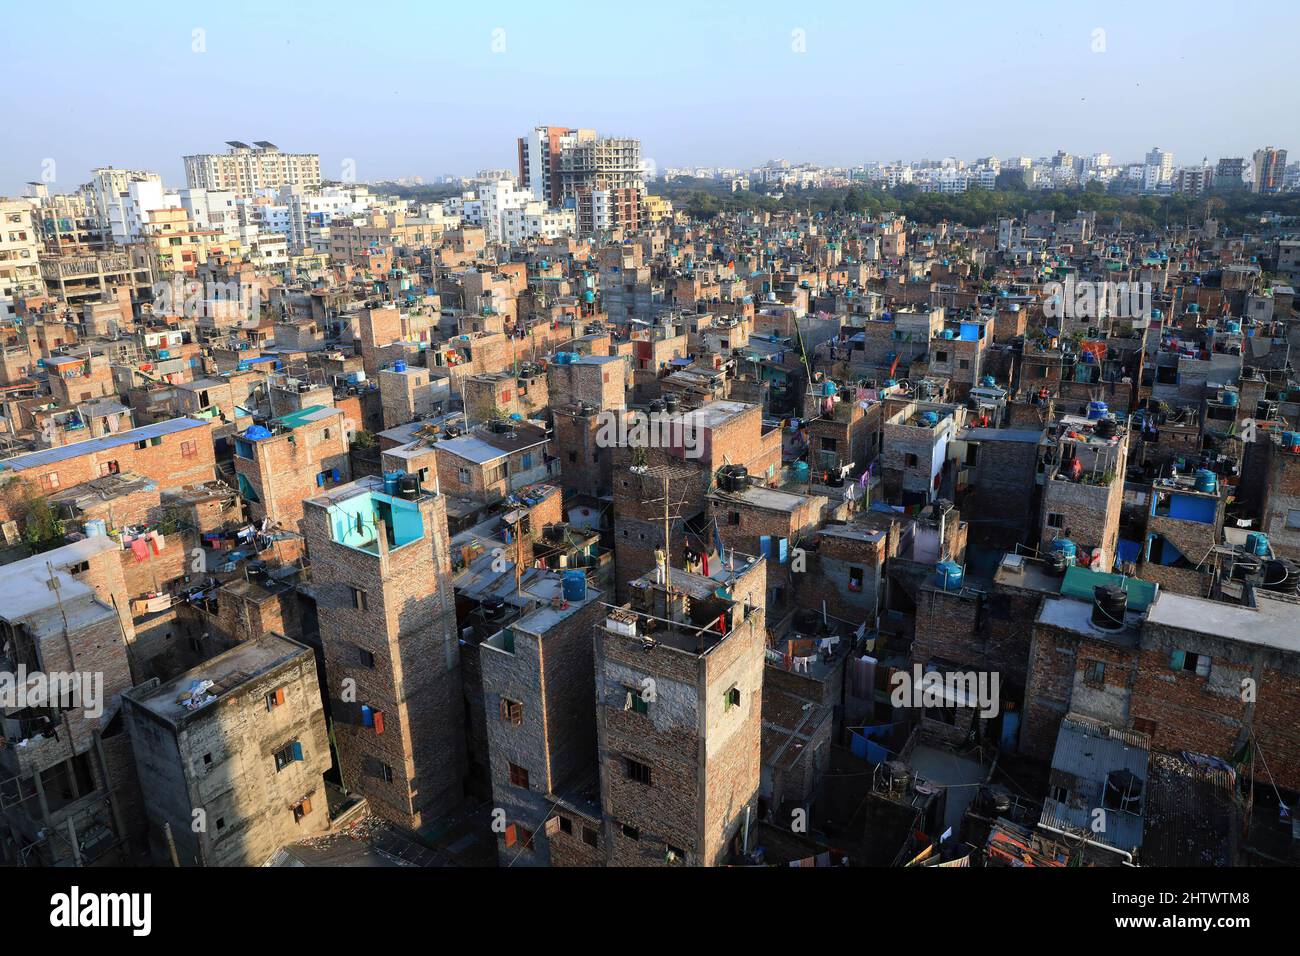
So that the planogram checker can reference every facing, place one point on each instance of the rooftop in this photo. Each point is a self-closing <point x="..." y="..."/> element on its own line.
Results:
<point x="52" y="456"/>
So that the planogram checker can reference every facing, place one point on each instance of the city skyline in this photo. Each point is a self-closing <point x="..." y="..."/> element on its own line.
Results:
<point x="1080" y="84"/>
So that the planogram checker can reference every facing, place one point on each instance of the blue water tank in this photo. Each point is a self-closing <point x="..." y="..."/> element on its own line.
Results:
<point x="1291" y="440"/>
<point x="947" y="334"/>
<point x="829" y="388"/>
<point x="391" y="479"/>
<point x="890" y="382"/>
<point x="575" y="586"/>
<point x="1234" y="326"/>
<point x="948" y="575"/>
<point x="1257" y="544"/>
<point x="399" y="365"/>
<point x="1066" y="547"/>
<point x="801" y="470"/>
<point x="930" y="419"/>
<point x="1097" y="411"/>
<point x="1230" y="397"/>
<point x="516" y="417"/>
<point x="1206" y="480"/>
<point x="588" y="296"/>
<point x="988" y="381"/>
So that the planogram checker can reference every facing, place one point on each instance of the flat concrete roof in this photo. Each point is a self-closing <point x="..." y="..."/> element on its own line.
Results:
<point x="1271" y="623"/>
<point x="227" y="671"/>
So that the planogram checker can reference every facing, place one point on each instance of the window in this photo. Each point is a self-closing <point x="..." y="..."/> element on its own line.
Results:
<point x="1055" y="519"/>
<point x="910" y="460"/>
<point x="566" y="825"/>
<point x="287" y="754"/>
<point x="275" y="698"/>
<point x="638" y="771"/>
<point x="516" y="834"/>
<point x="1059" y="794"/>
<point x="632" y="833"/>
<point x="301" y="809"/>
<point x="365" y="658"/>
<point x="672" y="854"/>
<point x="1198" y="664"/>
<point x="50" y="481"/>
<point x="462" y="475"/>
<point x="731" y="699"/>
<point x="635" y="701"/>
<point x="972" y="453"/>
<point x="733" y="517"/>
<point x="518" y="776"/>
<point x="941" y="356"/>
<point x="1094" y="673"/>
<point x="963" y="363"/>
<point x="1293" y="519"/>
<point x="358" y="598"/>
<point x="189" y="449"/>
<point x="207" y="760"/>
<point x="855" y="579"/>
<point x="108" y="468"/>
<point x="512" y="711"/>
<point x="590" y="836"/>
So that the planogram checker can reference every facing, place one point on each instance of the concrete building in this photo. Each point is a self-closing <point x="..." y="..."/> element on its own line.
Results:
<point x="232" y="753"/>
<point x="381" y="574"/>
<point x="20" y="270"/>
<point x="66" y="781"/>
<point x="245" y="169"/>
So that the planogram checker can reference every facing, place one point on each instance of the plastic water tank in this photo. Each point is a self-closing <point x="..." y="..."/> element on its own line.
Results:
<point x="930" y="419"/>
<point x="829" y="387"/>
<point x="801" y="471"/>
<point x="1230" y="397"/>
<point x="1097" y="410"/>
<point x="988" y="381"/>
<point x="1291" y="440"/>
<point x="947" y="334"/>
<point x="391" y="481"/>
<point x="1066" y="548"/>
<point x="1257" y="544"/>
<point x="948" y="575"/>
<point x="1206" y="480"/>
<point x="575" y="586"/>
<point x="399" y="365"/>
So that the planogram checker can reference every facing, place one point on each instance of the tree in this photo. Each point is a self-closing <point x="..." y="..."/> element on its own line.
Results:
<point x="42" y="529"/>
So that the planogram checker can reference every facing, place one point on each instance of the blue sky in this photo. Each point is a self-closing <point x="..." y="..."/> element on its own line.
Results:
<point x="417" y="89"/>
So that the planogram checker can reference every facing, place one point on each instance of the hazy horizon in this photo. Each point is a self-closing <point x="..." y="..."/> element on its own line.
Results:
<point x="403" y="90"/>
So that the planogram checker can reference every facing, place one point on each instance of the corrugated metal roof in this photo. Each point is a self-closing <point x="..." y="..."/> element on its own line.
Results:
<point x="52" y="456"/>
<point x="1087" y="753"/>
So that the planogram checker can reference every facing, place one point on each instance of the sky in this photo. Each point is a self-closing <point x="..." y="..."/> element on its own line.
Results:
<point x="431" y="88"/>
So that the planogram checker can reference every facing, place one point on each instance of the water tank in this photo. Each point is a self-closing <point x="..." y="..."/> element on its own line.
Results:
<point x="1066" y="548"/>
<point x="947" y="334"/>
<point x="1234" y="327"/>
<point x="1105" y="427"/>
<point x="1282" y="575"/>
<point x="408" y="487"/>
<point x="391" y="480"/>
<point x="1257" y="544"/>
<point x="930" y="419"/>
<point x="801" y="471"/>
<point x="1230" y="397"/>
<point x="575" y="586"/>
<point x="988" y="381"/>
<point x="671" y="402"/>
<point x="658" y="405"/>
<point x="516" y="417"/>
<point x="829" y="387"/>
<point x="1057" y="564"/>
<point x="1109" y="603"/>
<point x="948" y="575"/>
<point x="1097" y="410"/>
<point x="1206" y="481"/>
<point x="1291" y="440"/>
<point x="890" y="382"/>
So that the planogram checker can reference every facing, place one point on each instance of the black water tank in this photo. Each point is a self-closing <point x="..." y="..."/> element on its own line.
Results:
<point x="1109" y="602"/>
<point x="408" y="487"/>
<point x="1057" y="564"/>
<point x="658" y="405"/>
<point x="671" y="402"/>
<point x="1282" y="575"/>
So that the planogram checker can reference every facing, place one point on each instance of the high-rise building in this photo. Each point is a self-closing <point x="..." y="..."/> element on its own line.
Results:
<point x="1230" y="173"/>
<point x="1270" y="169"/>
<point x="246" y="169"/>
<point x="539" y="159"/>
<point x="603" y="179"/>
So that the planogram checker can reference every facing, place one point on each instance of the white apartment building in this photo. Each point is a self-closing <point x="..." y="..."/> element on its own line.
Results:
<point x="20" y="268"/>
<point x="310" y="213"/>
<point x="246" y="169"/>
<point x="212" y="209"/>
<point x="498" y="198"/>
<point x="129" y="213"/>
<point x="107" y="185"/>
<point x="535" y="221"/>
